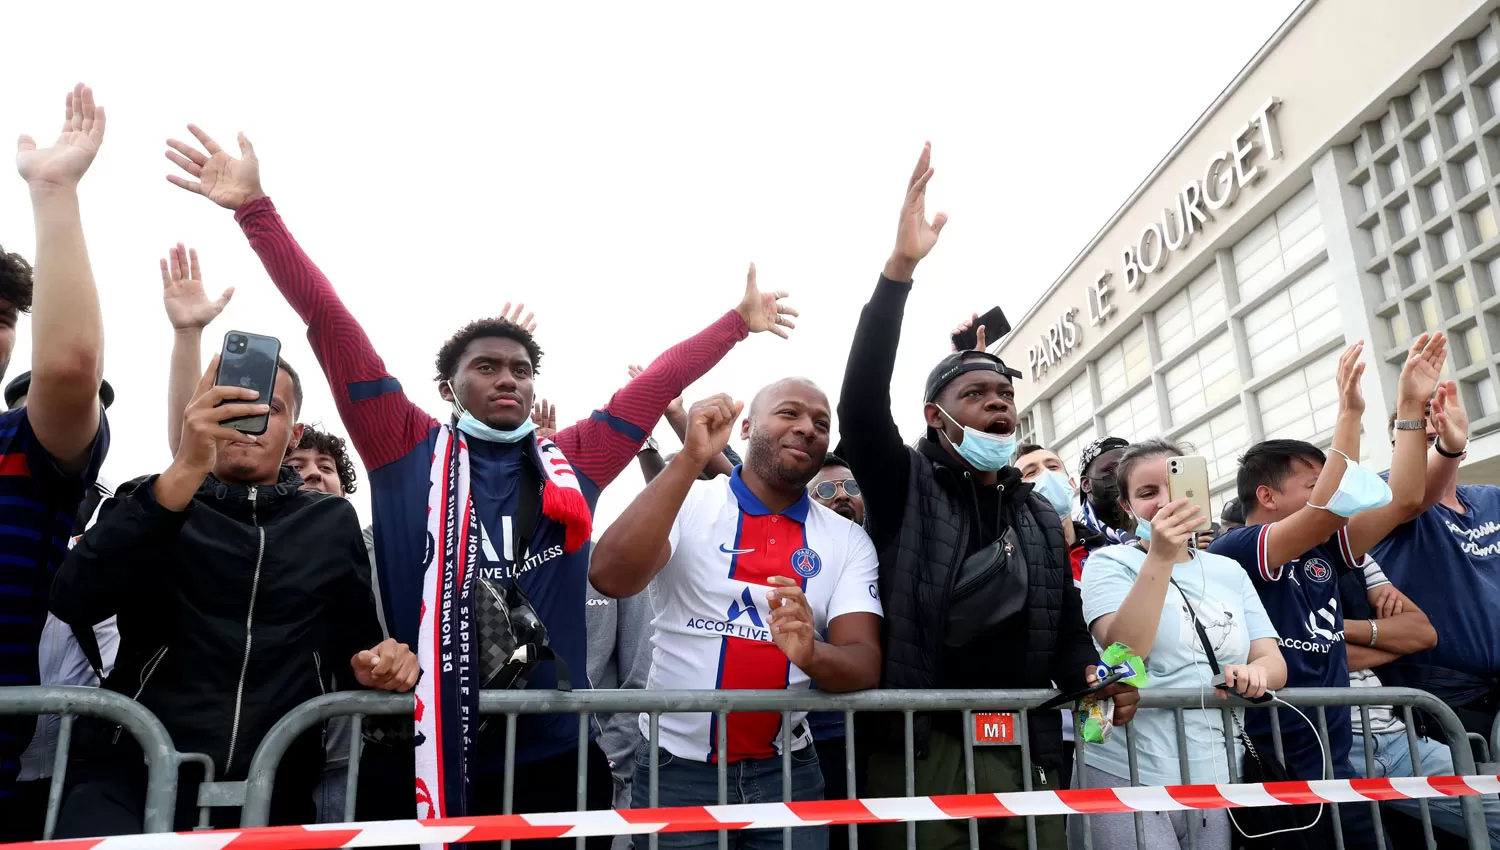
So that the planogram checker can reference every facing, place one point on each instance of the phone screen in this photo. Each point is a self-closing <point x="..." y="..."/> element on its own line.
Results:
<point x="249" y="360"/>
<point x="995" y="326"/>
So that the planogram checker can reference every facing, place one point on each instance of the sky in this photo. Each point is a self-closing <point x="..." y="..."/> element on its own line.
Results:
<point x="614" y="166"/>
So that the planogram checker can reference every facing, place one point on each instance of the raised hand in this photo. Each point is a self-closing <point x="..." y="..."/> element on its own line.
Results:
<point x="203" y="427"/>
<point x="979" y="341"/>
<point x="188" y="307"/>
<point x="528" y="324"/>
<point x="1351" y="398"/>
<point x="763" y="311"/>
<point x="915" y="235"/>
<point x="231" y="183"/>
<point x="791" y="621"/>
<point x="710" y="423"/>
<point x="634" y="370"/>
<point x="1449" y="418"/>
<point x="1423" y="368"/>
<point x="545" y="417"/>
<point x="63" y="165"/>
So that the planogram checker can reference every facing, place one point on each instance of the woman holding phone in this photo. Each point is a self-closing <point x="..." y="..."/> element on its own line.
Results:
<point x="1152" y="595"/>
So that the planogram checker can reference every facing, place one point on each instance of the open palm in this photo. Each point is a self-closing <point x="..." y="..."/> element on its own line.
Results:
<point x="763" y="311"/>
<point x="231" y="183"/>
<point x="64" y="163"/>
<point x="182" y="292"/>
<point x="1423" y="368"/>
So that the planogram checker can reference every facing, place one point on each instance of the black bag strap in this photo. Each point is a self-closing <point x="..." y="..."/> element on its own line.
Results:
<point x="1208" y="649"/>
<point x="89" y="643"/>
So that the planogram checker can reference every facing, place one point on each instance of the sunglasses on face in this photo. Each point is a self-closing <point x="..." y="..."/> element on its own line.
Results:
<point x="828" y="489"/>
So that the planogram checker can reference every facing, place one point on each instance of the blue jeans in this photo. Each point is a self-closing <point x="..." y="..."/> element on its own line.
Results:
<point x="1393" y="758"/>
<point x="684" y="782"/>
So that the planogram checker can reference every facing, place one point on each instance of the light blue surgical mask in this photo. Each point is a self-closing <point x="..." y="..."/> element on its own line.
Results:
<point x="1054" y="487"/>
<point x="1359" y="490"/>
<point x="470" y="425"/>
<point x="1143" y="530"/>
<point x="985" y="452"/>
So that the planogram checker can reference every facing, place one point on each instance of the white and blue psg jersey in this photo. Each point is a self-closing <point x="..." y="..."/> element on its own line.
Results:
<point x="711" y="629"/>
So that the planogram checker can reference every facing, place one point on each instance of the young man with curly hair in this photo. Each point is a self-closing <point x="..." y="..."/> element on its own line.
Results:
<point x="473" y="503"/>
<point x="52" y="447"/>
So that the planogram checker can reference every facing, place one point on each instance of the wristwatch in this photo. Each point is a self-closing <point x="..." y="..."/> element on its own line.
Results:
<point x="650" y="446"/>
<point x="1411" y="425"/>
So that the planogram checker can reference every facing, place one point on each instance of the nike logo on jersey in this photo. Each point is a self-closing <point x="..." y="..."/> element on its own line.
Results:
<point x="724" y="547"/>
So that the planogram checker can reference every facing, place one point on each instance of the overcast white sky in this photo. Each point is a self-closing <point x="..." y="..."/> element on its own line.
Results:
<point x="615" y="166"/>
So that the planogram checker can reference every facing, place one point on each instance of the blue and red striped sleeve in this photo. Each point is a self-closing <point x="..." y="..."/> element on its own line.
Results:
<point x="383" y="423"/>
<point x="602" y="445"/>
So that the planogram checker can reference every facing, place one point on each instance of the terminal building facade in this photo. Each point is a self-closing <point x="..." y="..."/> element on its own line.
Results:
<point x="1344" y="186"/>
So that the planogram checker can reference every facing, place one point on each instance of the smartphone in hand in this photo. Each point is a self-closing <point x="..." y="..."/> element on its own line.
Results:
<point x="1187" y="478"/>
<point x="249" y="360"/>
<point x="995" y="326"/>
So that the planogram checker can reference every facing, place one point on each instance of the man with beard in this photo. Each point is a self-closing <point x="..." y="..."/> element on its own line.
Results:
<point x="50" y="449"/>
<point x="751" y="573"/>
<point x="974" y="573"/>
<point x="834" y="488"/>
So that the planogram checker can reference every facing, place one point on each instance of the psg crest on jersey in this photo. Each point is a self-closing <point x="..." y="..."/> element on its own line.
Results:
<point x="1317" y="569"/>
<point x="806" y="562"/>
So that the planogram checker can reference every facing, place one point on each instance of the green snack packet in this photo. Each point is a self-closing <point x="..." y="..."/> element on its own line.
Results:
<point x="1119" y="658"/>
<point x="1092" y="720"/>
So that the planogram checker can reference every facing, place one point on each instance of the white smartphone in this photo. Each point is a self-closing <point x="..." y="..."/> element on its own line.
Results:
<point x="1187" y="478"/>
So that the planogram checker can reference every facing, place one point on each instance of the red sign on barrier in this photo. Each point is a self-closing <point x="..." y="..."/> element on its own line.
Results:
<point x="991" y="729"/>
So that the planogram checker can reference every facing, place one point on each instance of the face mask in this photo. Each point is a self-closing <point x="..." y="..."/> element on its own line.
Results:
<point x="1359" y="490"/>
<point x="470" y="425"/>
<point x="985" y="452"/>
<point x="1053" y="485"/>
<point x="1143" y="530"/>
<point x="1104" y="496"/>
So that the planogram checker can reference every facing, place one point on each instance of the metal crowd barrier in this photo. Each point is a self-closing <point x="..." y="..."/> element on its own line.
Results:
<point x="255" y="792"/>
<point x="162" y="759"/>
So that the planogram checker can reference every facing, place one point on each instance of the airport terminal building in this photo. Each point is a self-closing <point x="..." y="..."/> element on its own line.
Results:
<point x="1345" y="185"/>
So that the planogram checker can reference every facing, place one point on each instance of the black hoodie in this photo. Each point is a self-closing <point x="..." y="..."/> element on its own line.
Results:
<point x="231" y="611"/>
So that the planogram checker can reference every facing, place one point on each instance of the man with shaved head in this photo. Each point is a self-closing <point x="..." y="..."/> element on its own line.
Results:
<point x="750" y="575"/>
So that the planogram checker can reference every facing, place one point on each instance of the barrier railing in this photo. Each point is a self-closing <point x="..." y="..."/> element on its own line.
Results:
<point x="162" y="759"/>
<point x="255" y="792"/>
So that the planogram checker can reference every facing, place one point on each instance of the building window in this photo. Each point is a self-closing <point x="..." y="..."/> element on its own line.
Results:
<point x="1123" y="367"/>
<point x="1190" y="314"/>
<point x="1360" y="148"/>
<point x="1406" y="217"/>
<point x="1301" y="316"/>
<point x="1427" y="149"/>
<point x="1072" y="405"/>
<point x="1460" y="124"/>
<point x="1069" y="450"/>
<point x="1437" y="198"/>
<point x="1135" y="418"/>
<point x="1473" y="173"/>
<point x="1485" y="45"/>
<point x="1287" y="237"/>
<point x="1480" y="396"/>
<point x="1303" y="404"/>
<point x="1451" y="250"/>
<point x="1452" y="76"/>
<point x="1395" y="175"/>
<point x="1205" y="378"/>
<point x="1220" y="440"/>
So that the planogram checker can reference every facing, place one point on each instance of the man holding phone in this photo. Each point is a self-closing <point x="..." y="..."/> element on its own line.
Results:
<point x="238" y="597"/>
<point x="51" y="448"/>
<point x="950" y="508"/>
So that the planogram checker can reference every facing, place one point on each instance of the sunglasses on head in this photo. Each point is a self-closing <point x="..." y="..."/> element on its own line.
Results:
<point x="829" y="489"/>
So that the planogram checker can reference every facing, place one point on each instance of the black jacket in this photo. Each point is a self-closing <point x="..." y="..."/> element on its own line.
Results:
<point x="925" y="515"/>
<point x="231" y="612"/>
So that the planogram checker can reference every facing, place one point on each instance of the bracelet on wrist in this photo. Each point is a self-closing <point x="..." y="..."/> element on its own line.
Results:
<point x="1374" y="632"/>
<point x="1438" y="445"/>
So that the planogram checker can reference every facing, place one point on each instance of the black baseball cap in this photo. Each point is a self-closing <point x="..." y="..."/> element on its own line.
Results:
<point x="959" y="362"/>
<point x="21" y="385"/>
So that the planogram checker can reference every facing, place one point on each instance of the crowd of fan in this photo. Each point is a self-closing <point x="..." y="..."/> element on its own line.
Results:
<point x="237" y="583"/>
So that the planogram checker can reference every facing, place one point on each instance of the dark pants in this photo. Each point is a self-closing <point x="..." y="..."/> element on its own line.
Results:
<point x="387" y="778"/>
<point x="108" y="797"/>
<point x="685" y="782"/>
<point x="23" y="810"/>
<point x="835" y="784"/>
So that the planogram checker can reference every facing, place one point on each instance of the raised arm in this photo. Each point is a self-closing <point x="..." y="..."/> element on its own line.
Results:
<point x="720" y="465"/>
<point x="867" y="431"/>
<point x="602" y="445"/>
<point x="383" y="423"/>
<point x="1420" y="375"/>
<point x="1451" y="421"/>
<point x="67" y="345"/>
<point x="189" y="311"/>
<point x="1289" y="538"/>
<point x="639" y="543"/>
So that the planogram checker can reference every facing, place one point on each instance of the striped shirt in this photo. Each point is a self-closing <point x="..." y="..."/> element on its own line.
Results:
<point x="38" y="504"/>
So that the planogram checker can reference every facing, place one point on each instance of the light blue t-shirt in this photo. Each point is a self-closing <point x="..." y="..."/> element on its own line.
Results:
<point x="1231" y="613"/>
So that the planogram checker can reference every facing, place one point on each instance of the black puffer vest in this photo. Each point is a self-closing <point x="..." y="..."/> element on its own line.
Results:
<point x="919" y="565"/>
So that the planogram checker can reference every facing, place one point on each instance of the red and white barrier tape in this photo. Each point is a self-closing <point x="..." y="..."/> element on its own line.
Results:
<point x="1168" y="798"/>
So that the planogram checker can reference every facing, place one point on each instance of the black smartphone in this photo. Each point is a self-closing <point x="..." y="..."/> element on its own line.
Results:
<point x="249" y="360"/>
<point x="995" y="326"/>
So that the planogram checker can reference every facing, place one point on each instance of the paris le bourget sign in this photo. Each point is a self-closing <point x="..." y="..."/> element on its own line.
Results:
<point x="1228" y="171"/>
